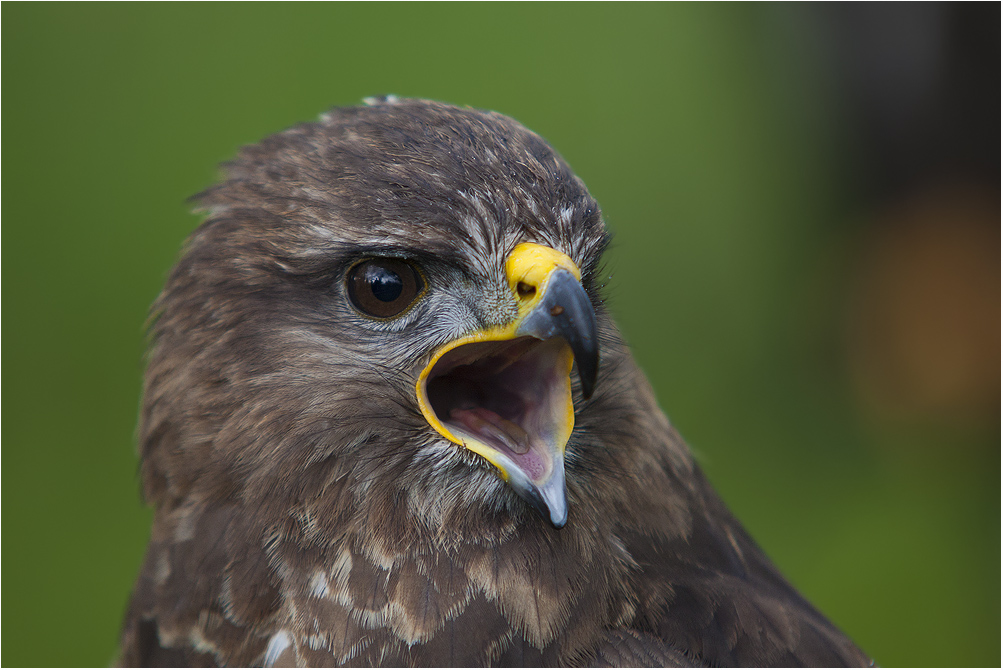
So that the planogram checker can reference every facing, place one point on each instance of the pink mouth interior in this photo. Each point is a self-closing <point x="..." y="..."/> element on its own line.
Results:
<point x="505" y="394"/>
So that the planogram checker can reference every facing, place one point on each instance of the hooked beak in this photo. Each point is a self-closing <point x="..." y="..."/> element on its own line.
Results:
<point x="505" y="392"/>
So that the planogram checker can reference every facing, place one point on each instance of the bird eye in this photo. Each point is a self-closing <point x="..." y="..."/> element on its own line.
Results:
<point x="383" y="287"/>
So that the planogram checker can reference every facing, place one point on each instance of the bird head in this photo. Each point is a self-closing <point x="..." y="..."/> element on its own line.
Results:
<point x="399" y="297"/>
<point x="373" y="391"/>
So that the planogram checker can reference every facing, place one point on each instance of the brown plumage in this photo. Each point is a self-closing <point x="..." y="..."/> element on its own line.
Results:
<point x="307" y="510"/>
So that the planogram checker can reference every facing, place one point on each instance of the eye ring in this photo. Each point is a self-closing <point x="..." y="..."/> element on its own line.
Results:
<point x="384" y="288"/>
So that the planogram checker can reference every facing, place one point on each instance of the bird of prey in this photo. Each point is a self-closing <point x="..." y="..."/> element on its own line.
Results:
<point x="388" y="421"/>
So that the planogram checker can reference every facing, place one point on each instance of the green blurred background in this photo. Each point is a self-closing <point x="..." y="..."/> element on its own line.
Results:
<point x="806" y="207"/>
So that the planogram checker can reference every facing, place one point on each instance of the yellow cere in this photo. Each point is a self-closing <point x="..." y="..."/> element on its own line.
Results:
<point x="532" y="264"/>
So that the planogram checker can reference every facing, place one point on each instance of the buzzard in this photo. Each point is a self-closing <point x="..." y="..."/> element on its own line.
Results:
<point x="387" y="420"/>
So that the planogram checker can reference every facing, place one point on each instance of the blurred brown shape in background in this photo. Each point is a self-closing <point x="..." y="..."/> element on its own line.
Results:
<point x="917" y="86"/>
<point x="924" y="314"/>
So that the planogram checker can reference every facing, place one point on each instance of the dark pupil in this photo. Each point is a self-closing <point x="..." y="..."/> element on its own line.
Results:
<point x="385" y="284"/>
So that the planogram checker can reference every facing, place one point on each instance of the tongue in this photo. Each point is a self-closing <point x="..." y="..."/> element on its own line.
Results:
<point x="482" y="421"/>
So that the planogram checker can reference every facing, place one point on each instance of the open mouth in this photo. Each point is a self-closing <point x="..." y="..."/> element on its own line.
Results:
<point x="507" y="400"/>
<point x="504" y="392"/>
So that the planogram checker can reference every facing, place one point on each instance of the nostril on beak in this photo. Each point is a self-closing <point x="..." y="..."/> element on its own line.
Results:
<point x="525" y="290"/>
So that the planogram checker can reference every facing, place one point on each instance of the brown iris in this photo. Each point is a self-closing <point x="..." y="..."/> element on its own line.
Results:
<point x="383" y="287"/>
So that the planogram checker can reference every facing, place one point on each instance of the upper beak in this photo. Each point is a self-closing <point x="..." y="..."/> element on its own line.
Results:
<point x="505" y="392"/>
<point x="564" y="310"/>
